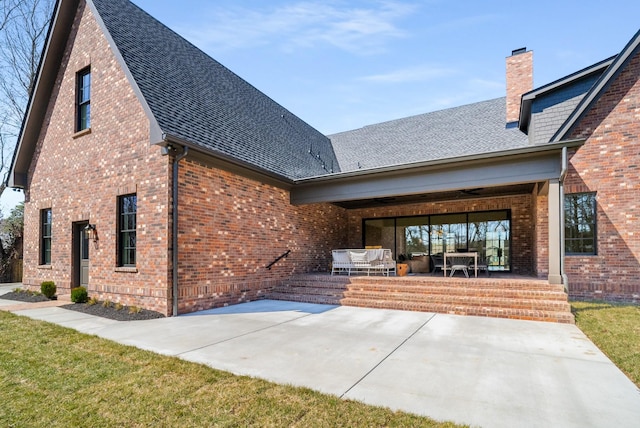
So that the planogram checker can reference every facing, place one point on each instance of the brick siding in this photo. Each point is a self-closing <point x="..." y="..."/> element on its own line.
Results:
<point x="80" y="179"/>
<point x="609" y="164"/>
<point x="232" y="227"/>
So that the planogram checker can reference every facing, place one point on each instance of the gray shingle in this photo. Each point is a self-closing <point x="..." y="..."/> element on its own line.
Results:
<point x="550" y="110"/>
<point x="195" y="98"/>
<point x="460" y="131"/>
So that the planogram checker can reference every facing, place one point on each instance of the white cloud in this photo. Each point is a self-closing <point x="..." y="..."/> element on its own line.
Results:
<point x="363" y="30"/>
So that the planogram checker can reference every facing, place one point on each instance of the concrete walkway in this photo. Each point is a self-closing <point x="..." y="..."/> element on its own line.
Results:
<point x="479" y="371"/>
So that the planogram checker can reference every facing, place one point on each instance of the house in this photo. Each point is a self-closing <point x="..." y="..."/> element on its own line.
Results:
<point x="156" y="177"/>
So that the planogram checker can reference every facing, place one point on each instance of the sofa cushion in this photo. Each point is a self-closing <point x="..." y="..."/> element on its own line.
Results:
<point x="358" y="257"/>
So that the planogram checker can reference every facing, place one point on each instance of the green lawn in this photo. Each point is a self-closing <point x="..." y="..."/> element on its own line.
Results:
<point x="51" y="376"/>
<point x="615" y="329"/>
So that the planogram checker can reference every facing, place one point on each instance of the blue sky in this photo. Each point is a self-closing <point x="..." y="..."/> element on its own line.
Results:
<point x="340" y="65"/>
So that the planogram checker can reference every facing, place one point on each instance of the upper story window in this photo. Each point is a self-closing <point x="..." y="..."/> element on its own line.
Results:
<point x="127" y="210"/>
<point x="45" y="236"/>
<point x="83" y="91"/>
<point x="580" y="223"/>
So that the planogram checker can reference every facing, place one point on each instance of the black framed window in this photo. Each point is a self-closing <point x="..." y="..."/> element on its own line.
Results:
<point x="486" y="232"/>
<point x="83" y="91"/>
<point x="127" y="209"/>
<point x="580" y="224"/>
<point x="45" y="236"/>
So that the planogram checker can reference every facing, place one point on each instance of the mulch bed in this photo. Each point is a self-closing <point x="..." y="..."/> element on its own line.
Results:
<point x="112" y="313"/>
<point x="25" y="296"/>
<point x="98" y="309"/>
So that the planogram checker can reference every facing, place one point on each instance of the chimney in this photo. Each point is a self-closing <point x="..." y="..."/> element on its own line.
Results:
<point x="519" y="81"/>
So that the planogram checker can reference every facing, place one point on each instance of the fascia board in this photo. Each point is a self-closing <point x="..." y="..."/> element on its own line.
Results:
<point x="55" y="43"/>
<point x="526" y="167"/>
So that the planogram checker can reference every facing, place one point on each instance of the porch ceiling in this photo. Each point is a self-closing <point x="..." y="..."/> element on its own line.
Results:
<point x="456" y="195"/>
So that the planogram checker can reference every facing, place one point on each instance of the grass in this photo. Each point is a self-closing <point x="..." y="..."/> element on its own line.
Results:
<point x="51" y="376"/>
<point x="615" y="329"/>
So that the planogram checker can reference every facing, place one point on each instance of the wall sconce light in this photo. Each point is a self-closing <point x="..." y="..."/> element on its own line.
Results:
<point x="91" y="232"/>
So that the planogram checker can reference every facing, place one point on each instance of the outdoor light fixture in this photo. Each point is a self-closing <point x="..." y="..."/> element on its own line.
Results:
<point x="91" y="232"/>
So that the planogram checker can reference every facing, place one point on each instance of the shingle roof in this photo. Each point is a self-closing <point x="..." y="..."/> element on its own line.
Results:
<point x="460" y="131"/>
<point x="196" y="99"/>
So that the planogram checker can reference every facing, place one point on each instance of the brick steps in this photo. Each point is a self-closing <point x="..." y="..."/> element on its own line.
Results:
<point x="528" y="299"/>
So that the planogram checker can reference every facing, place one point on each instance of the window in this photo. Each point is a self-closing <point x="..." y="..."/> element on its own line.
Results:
<point x="84" y="100"/>
<point x="580" y="223"/>
<point x="127" y="208"/>
<point x="45" y="236"/>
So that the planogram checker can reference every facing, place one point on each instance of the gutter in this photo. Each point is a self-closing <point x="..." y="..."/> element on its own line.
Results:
<point x="174" y="212"/>
<point x="169" y="140"/>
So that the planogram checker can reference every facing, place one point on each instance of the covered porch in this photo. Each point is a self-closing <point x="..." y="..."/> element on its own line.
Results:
<point x="505" y="207"/>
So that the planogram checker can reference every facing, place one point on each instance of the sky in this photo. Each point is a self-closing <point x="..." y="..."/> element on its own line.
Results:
<point x="340" y="65"/>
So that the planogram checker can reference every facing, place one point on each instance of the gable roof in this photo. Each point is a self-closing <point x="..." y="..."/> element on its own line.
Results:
<point x="562" y="85"/>
<point x="198" y="101"/>
<point x="619" y="62"/>
<point x="467" y="130"/>
<point x="190" y="98"/>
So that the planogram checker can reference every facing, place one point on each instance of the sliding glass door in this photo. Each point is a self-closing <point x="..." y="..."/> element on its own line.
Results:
<point x="487" y="233"/>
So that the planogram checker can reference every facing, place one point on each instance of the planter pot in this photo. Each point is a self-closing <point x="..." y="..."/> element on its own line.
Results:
<point x="402" y="269"/>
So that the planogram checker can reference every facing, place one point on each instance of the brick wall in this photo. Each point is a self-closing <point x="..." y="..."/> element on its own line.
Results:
<point x="522" y="222"/>
<point x="231" y="228"/>
<point x="80" y="177"/>
<point x="541" y="242"/>
<point x="609" y="164"/>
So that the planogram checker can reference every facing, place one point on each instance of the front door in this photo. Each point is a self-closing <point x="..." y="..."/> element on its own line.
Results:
<point x="81" y="255"/>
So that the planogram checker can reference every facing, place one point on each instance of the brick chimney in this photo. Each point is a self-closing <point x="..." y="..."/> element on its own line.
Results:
<point x="519" y="80"/>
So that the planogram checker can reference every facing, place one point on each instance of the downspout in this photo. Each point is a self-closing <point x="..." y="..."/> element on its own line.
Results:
<point x="563" y="173"/>
<point x="174" y="232"/>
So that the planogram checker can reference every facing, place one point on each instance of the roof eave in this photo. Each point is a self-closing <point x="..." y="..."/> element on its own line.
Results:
<point x="618" y="64"/>
<point x="459" y="160"/>
<point x="529" y="97"/>
<point x="55" y="42"/>
<point x="229" y="163"/>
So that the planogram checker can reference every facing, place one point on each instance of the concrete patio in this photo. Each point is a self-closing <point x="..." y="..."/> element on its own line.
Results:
<point x="485" y="372"/>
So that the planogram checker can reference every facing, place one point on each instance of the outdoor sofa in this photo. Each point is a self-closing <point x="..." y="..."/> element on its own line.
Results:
<point x="363" y="260"/>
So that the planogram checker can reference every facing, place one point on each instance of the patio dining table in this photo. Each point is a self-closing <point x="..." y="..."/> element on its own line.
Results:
<point x="460" y="259"/>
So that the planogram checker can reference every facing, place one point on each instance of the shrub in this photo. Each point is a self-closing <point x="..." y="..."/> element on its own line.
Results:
<point x="118" y="306"/>
<point x="92" y="301"/>
<point x="134" y="310"/>
<point x="79" y="295"/>
<point x="48" y="288"/>
<point x="106" y="303"/>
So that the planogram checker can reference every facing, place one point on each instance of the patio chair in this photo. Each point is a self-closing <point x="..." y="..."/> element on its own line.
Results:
<point x="460" y="263"/>
<point x="483" y="265"/>
<point x="437" y="262"/>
